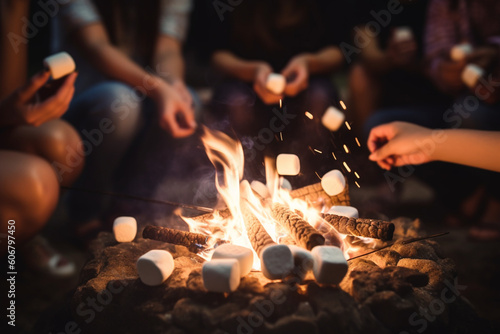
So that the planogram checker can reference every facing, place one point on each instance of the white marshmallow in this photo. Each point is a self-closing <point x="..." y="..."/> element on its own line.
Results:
<point x="330" y="266"/>
<point x="276" y="83"/>
<point x="242" y="254"/>
<point x="285" y="184"/>
<point x="155" y="267"/>
<point x="288" y="164"/>
<point x="333" y="182"/>
<point x="332" y="118"/>
<point x="471" y="75"/>
<point x="221" y="275"/>
<point x="125" y="229"/>
<point x="302" y="258"/>
<point x="460" y="51"/>
<point x="261" y="189"/>
<point x="60" y="64"/>
<point x="276" y="261"/>
<point x="344" y="210"/>
<point x="402" y="34"/>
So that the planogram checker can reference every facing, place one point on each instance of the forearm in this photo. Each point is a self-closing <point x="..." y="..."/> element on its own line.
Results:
<point x="168" y="61"/>
<point x="14" y="50"/>
<point x="326" y="60"/>
<point x="113" y="63"/>
<point x="469" y="147"/>
<point x="236" y="67"/>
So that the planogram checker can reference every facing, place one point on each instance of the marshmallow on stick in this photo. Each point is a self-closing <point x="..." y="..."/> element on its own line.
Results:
<point x="242" y="254"/>
<point x="155" y="267"/>
<point x="402" y="34"/>
<point x="125" y="229"/>
<point x="221" y="275"/>
<point x="471" y="75"/>
<point x="333" y="118"/>
<point x="288" y="164"/>
<point x="460" y="51"/>
<point x="276" y="83"/>
<point x="59" y="65"/>
<point x="261" y="189"/>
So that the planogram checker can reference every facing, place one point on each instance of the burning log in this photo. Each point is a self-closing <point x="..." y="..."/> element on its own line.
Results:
<point x="195" y="242"/>
<point x="360" y="227"/>
<point x="257" y="234"/>
<point x="276" y="260"/>
<point x="305" y="235"/>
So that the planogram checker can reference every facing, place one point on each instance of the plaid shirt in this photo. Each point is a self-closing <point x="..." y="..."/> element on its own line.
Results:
<point x="474" y="21"/>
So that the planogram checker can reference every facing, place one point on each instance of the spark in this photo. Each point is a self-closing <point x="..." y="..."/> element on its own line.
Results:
<point x="346" y="149"/>
<point x="347" y="125"/>
<point x="356" y="182"/>
<point x="357" y="175"/>
<point x="281" y="104"/>
<point x="319" y="177"/>
<point x="281" y="136"/>
<point x="357" y="141"/>
<point x="309" y="115"/>
<point x="347" y="167"/>
<point x="334" y="156"/>
<point x="316" y="150"/>
<point x="342" y="104"/>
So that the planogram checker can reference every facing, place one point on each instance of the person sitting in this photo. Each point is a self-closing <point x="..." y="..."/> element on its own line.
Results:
<point x="34" y="144"/>
<point x="297" y="39"/>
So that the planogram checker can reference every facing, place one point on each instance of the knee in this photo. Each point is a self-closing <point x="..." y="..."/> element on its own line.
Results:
<point x="60" y="144"/>
<point x="118" y="100"/>
<point x="30" y="192"/>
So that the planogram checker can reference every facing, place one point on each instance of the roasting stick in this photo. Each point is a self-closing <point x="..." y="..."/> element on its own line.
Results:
<point x="404" y="242"/>
<point x="150" y="200"/>
<point x="195" y="242"/>
<point x="361" y="227"/>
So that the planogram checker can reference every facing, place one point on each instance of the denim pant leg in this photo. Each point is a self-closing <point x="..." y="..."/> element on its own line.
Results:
<point x="108" y="117"/>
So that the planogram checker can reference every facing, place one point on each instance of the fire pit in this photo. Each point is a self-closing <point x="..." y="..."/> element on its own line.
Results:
<point x="405" y="287"/>
<point x="402" y="288"/>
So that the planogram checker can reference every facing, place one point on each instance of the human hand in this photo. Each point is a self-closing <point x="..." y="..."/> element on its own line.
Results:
<point x="175" y="115"/>
<point x="486" y="57"/>
<point x="183" y="91"/>
<point x="259" y="85"/>
<point x="297" y="74"/>
<point x="401" y="53"/>
<point x="399" y="144"/>
<point x="21" y="108"/>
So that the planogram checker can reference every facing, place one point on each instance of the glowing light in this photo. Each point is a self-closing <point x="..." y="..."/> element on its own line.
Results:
<point x="309" y="115"/>
<point x="347" y="125"/>
<point x="357" y="141"/>
<point x="334" y="156"/>
<point x="342" y="104"/>
<point x="319" y="177"/>
<point x="356" y="182"/>
<point x="357" y="175"/>
<point x="281" y="104"/>
<point x="316" y="150"/>
<point x="281" y="136"/>
<point x="347" y="167"/>
<point x="346" y="149"/>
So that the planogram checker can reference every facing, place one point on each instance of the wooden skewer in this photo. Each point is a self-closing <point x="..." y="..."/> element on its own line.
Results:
<point x="404" y="242"/>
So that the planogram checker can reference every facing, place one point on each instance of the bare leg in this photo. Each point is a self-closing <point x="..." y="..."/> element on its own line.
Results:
<point x="29" y="191"/>
<point x="55" y="141"/>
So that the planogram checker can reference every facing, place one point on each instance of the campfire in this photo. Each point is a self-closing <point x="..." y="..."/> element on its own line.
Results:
<point x="265" y="218"/>
<point x="270" y="260"/>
